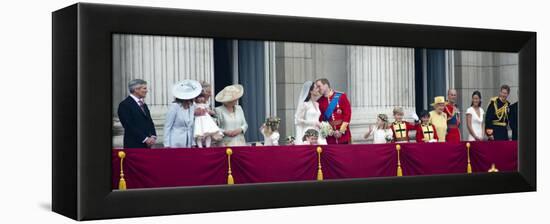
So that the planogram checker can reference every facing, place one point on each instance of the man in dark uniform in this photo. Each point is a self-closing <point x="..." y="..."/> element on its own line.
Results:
<point x="496" y="119"/>
<point x="513" y="120"/>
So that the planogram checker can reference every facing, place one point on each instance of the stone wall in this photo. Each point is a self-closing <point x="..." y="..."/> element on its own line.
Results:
<point x="161" y="61"/>
<point x="486" y="72"/>
<point x="381" y="78"/>
<point x="376" y="79"/>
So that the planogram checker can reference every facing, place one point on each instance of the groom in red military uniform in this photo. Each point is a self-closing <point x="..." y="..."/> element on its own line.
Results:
<point x="335" y="109"/>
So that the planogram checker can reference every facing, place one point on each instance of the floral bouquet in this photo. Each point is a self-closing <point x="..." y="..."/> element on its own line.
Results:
<point x="290" y="140"/>
<point x="325" y="129"/>
<point x="388" y="138"/>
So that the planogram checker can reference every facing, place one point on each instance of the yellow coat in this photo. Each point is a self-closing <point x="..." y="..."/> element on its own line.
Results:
<point x="440" y="123"/>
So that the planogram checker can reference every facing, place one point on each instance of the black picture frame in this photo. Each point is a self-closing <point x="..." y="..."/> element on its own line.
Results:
<point x="82" y="111"/>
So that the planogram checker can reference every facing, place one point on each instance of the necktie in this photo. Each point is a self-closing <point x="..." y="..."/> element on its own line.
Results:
<point x="141" y="105"/>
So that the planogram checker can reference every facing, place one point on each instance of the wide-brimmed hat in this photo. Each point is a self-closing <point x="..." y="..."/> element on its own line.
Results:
<point x="187" y="89"/>
<point x="230" y="93"/>
<point x="438" y="100"/>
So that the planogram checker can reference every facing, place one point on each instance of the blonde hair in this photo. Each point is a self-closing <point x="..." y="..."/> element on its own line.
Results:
<point x="205" y="84"/>
<point x="398" y="110"/>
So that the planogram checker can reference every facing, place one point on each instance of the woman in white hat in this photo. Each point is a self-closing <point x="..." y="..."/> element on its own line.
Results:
<point x="180" y="118"/>
<point x="231" y="116"/>
<point x="438" y="118"/>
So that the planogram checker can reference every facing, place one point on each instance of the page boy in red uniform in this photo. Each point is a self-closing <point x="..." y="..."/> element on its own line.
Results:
<point x="425" y="131"/>
<point x="400" y="128"/>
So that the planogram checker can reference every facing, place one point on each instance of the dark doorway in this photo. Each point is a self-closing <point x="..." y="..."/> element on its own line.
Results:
<point x="223" y="64"/>
<point x="430" y="76"/>
<point x="249" y="67"/>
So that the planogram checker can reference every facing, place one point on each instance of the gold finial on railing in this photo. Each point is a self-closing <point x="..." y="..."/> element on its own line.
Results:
<point x="399" y="170"/>
<point x="122" y="181"/>
<point x="319" y="170"/>
<point x="230" y="180"/>
<point x="493" y="169"/>
<point x="469" y="167"/>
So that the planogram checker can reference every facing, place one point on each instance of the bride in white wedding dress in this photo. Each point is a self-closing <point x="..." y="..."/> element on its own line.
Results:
<point x="308" y="113"/>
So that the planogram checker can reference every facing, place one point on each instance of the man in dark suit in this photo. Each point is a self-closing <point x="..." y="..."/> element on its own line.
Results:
<point x="513" y="120"/>
<point x="139" y="130"/>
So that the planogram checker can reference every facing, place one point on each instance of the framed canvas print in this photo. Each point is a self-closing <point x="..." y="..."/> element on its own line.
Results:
<point x="167" y="111"/>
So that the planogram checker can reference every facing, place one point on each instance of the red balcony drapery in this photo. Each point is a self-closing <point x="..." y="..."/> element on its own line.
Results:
<point x="150" y="168"/>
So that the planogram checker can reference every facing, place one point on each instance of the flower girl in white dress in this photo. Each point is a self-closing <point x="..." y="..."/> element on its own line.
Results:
<point x="311" y="137"/>
<point x="308" y="113"/>
<point x="205" y="127"/>
<point x="270" y="131"/>
<point x="381" y="133"/>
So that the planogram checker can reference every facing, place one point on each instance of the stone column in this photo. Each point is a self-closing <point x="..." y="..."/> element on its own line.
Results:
<point x="380" y="78"/>
<point x="161" y="61"/>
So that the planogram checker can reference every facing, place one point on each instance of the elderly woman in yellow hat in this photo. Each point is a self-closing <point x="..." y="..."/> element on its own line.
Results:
<point x="231" y="116"/>
<point x="438" y="118"/>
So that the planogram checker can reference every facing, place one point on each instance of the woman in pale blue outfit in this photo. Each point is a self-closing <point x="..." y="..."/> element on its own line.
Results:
<point x="180" y="118"/>
<point x="231" y="116"/>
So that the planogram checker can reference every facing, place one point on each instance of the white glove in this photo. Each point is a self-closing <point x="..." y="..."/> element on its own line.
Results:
<point x="414" y="116"/>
